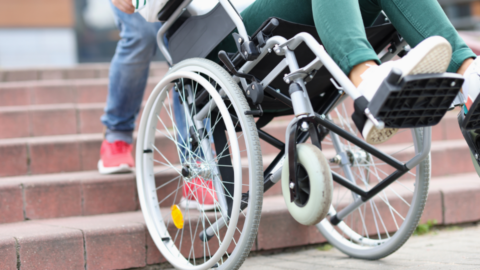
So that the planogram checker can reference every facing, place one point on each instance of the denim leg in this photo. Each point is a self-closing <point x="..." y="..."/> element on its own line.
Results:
<point x="181" y="123"/>
<point x="182" y="134"/>
<point x="128" y="74"/>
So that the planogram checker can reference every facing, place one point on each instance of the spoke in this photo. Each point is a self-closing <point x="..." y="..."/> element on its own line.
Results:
<point x="386" y="199"/>
<point x="398" y="195"/>
<point x="176" y="235"/>
<point x="164" y="170"/>
<point x="231" y="166"/>
<point x="375" y="220"/>
<point x="169" y="195"/>
<point x="158" y="151"/>
<point x="192" y="239"/>
<point x="187" y="147"/>
<point x="164" y="164"/>
<point x="410" y="146"/>
<point x="181" y="241"/>
<point x="173" y="123"/>
<point x="407" y="188"/>
<point x="177" y="145"/>
<point x="169" y="181"/>
<point x="341" y="199"/>
<point x="380" y="217"/>
<point x="393" y="209"/>
<point x="190" y="152"/>
<point x="203" y="213"/>
<point x="379" y="178"/>
<point x="363" y="221"/>
<point x="174" y="200"/>
<point x="219" y="157"/>
<point x="195" y="184"/>
<point x="228" y="182"/>
<point x="210" y="133"/>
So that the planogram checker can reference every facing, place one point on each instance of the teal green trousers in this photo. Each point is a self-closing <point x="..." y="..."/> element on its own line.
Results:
<point x="341" y="25"/>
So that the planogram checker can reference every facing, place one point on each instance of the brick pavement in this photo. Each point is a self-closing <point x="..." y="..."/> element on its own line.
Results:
<point x="449" y="248"/>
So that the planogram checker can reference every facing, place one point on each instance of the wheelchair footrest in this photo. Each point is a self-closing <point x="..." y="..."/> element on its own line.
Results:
<point x="416" y="100"/>
<point x="472" y="119"/>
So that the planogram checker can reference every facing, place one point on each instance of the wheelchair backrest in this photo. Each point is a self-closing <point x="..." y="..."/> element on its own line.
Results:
<point x="198" y="35"/>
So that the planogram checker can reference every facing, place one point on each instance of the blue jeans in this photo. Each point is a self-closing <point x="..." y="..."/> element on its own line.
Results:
<point x="128" y="77"/>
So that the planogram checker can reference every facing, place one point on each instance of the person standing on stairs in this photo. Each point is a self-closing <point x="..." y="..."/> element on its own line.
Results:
<point x="127" y="81"/>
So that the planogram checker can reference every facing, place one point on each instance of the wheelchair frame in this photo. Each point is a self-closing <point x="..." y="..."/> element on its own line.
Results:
<point x="304" y="112"/>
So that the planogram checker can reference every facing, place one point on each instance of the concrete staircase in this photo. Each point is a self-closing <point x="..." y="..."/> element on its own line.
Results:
<point x="57" y="212"/>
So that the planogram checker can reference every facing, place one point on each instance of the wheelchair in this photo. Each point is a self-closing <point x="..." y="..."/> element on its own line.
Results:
<point x="365" y="200"/>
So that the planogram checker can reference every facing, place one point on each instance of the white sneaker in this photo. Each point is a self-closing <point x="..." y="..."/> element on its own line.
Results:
<point x="471" y="85"/>
<point x="432" y="55"/>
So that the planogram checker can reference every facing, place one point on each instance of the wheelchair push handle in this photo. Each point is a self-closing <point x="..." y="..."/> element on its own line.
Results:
<point x="222" y="55"/>
<point x="272" y="24"/>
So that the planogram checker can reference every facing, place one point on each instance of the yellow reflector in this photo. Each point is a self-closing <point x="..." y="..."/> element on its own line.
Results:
<point x="177" y="216"/>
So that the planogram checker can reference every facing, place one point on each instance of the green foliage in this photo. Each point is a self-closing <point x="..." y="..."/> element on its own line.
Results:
<point x="424" y="228"/>
<point x="325" y="247"/>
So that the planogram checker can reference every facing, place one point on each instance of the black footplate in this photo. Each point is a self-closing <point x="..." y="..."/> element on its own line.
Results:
<point x="472" y="119"/>
<point x="416" y="100"/>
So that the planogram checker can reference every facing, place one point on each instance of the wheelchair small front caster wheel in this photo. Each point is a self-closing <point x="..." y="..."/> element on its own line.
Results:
<point x="315" y="186"/>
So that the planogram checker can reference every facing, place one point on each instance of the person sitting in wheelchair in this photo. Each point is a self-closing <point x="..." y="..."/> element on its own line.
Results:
<point x="437" y="47"/>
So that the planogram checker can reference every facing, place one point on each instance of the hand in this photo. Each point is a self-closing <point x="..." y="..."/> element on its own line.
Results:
<point x="124" y="5"/>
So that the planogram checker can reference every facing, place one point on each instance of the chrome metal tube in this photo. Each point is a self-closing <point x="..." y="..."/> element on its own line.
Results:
<point x="166" y="25"/>
<point x="327" y="61"/>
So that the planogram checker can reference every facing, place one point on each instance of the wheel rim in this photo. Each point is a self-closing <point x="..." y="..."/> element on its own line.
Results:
<point x="377" y="223"/>
<point x="158" y="221"/>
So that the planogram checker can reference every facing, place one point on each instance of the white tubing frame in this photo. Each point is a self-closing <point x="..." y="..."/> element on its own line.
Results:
<point x="289" y="45"/>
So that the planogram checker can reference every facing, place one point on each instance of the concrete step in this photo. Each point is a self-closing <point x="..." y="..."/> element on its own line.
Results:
<point x="60" y="91"/>
<point x="81" y="193"/>
<point x="56" y="119"/>
<point x="121" y="241"/>
<point x="86" y="193"/>
<point x="62" y="119"/>
<point x="82" y="71"/>
<point x="80" y="152"/>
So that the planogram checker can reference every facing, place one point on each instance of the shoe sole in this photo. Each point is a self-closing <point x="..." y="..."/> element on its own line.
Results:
<point x="374" y="136"/>
<point x="432" y="56"/>
<point x="190" y="204"/>
<point x="122" y="168"/>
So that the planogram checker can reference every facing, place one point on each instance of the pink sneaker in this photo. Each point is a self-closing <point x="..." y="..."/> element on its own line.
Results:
<point x="199" y="194"/>
<point x="115" y="157"/>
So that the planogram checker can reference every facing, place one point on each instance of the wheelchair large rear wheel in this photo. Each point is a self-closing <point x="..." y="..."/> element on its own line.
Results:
<point x="384" y="223"/>
<point x="207" y="157"/>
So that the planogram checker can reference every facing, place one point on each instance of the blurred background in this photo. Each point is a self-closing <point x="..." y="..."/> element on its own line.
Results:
<point x="60" y="33"/>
